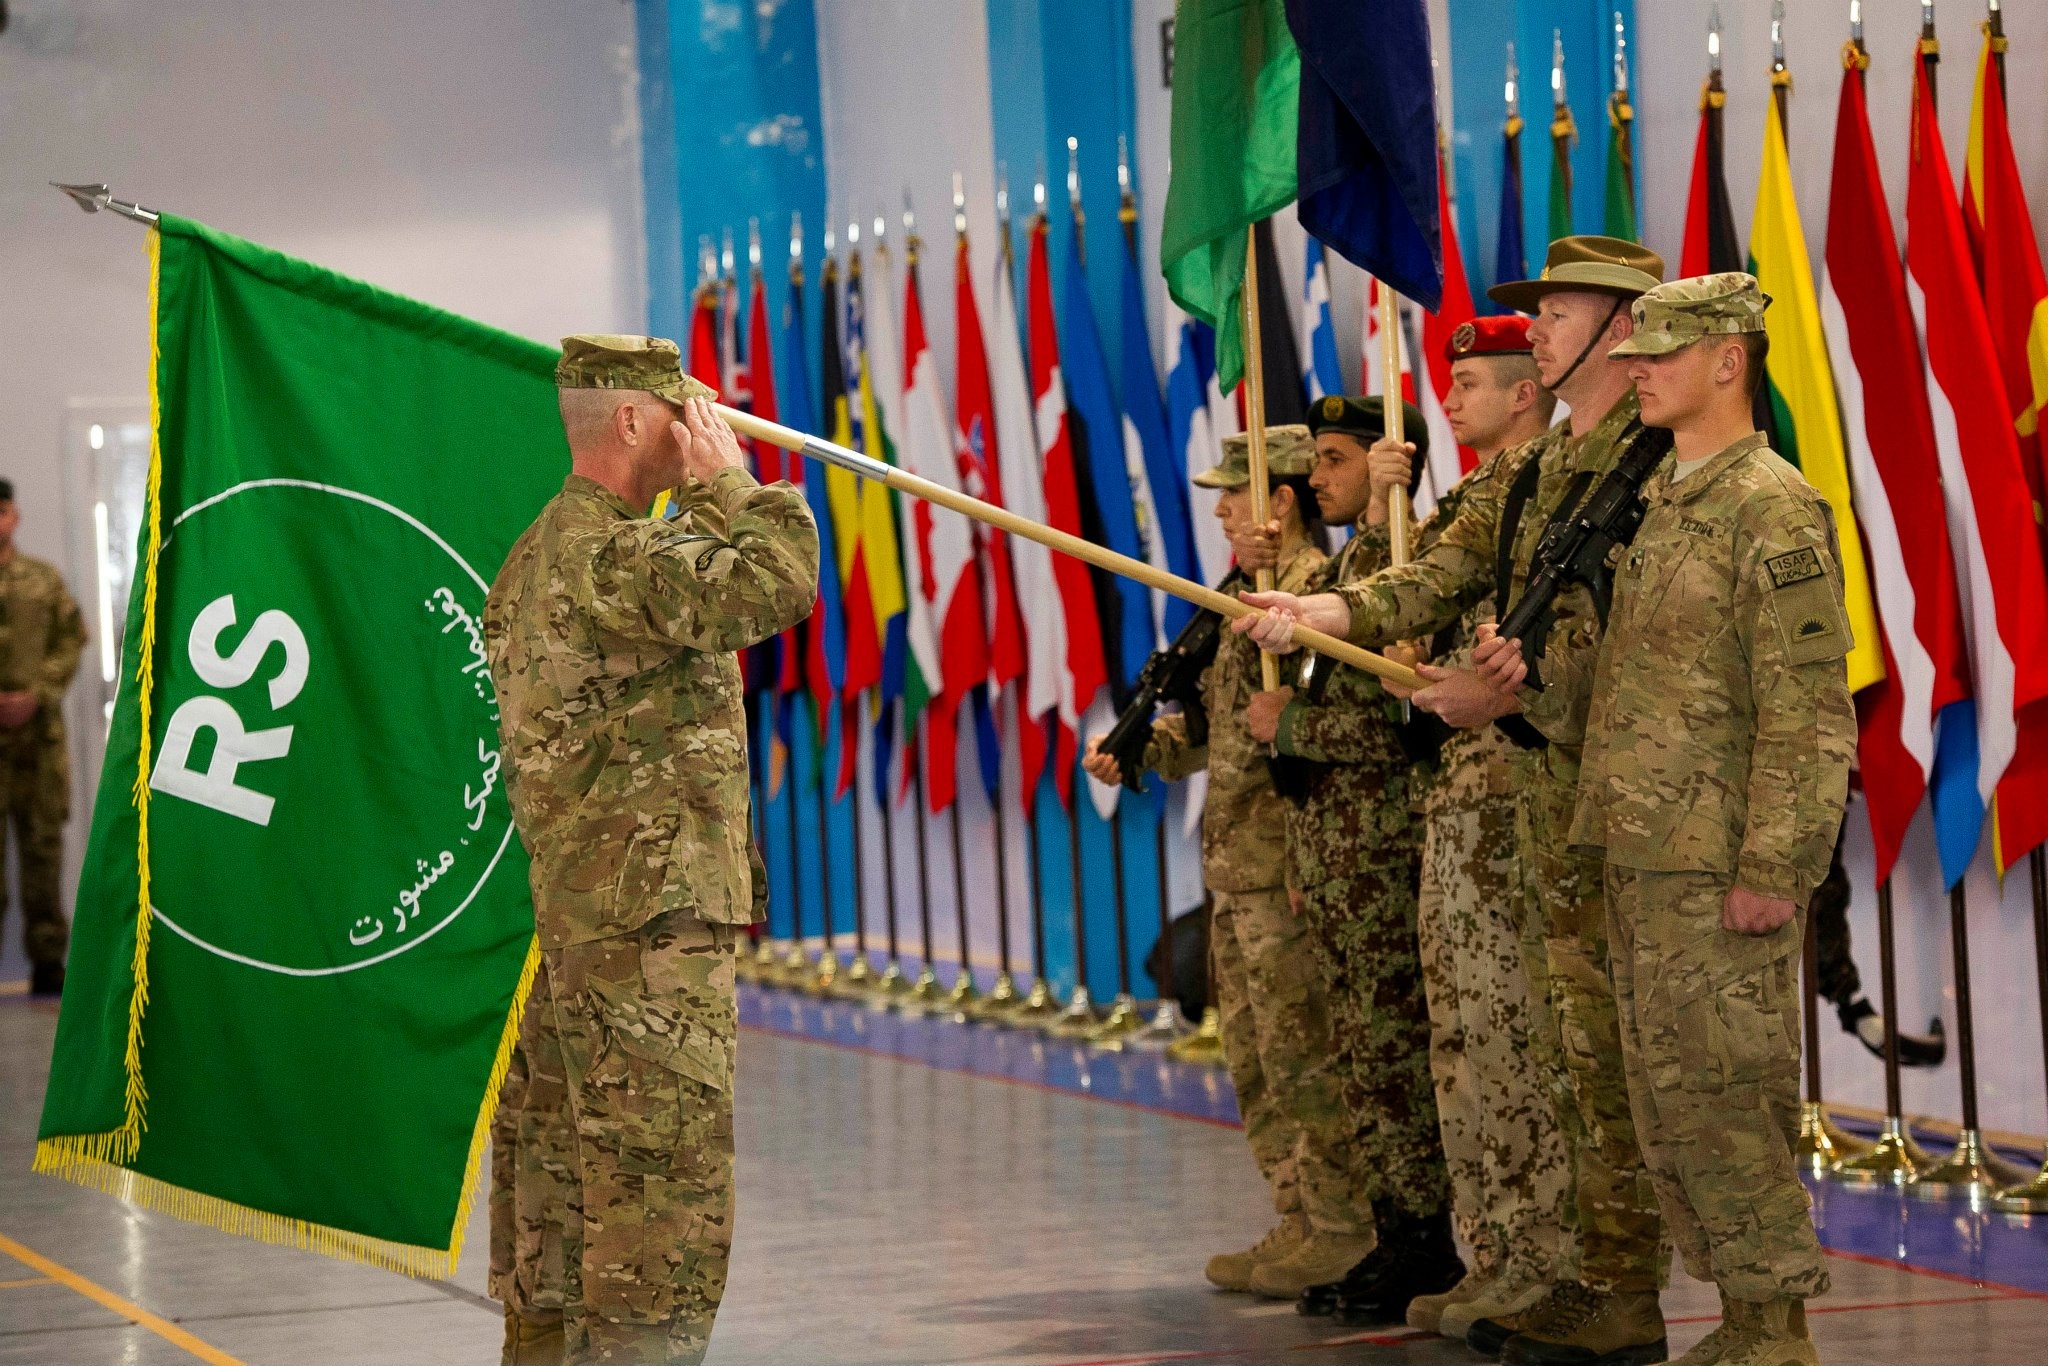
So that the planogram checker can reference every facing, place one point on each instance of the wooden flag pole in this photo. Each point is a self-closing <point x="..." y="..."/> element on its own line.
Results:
<point x="1398" y="513"/>
<point x="1187" y="590"/>
<point x="1255" y="426"/>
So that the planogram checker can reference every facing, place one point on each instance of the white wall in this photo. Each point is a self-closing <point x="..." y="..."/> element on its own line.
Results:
<point x="479" y="154"/>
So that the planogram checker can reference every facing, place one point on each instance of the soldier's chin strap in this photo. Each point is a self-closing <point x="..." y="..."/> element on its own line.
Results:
<point x="1591" y="342"/>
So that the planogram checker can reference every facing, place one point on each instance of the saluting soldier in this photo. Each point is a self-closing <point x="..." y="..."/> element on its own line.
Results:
<point x="1717" y="767"/>
<point x="1271" y="996"/>
<point x="1354" y="847"/>
<point x="1604" y="1311"/>
<point x="612" y="640"/>
<point x="41" y="638"/>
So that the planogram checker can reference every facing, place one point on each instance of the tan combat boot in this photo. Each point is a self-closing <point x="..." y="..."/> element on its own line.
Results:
<point x="1502" y="1298"/>
<point x="1773" y="1334"/>
<point x="1714" y="1347"/>
<point x="1426" y="1312"/>
<point x="1233" y="1270"/>
<point x="1603" y="1328"/>
<point x="532" y="1341"/>
<point x="1489" y="1335"/>
<point x="1318" y="1259"/>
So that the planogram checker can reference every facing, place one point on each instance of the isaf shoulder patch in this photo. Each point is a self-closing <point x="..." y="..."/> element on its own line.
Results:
<point x="1794" y="567"/>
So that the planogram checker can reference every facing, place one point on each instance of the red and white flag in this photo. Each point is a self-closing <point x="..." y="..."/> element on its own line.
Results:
<point x="1895" y="471"/>
<point x="1086" y="673"/>
<point x="945" y="580"/>
<point x="768" y="462"/>
<point x="978" y="447"/>
<point x="1990" y="508"/>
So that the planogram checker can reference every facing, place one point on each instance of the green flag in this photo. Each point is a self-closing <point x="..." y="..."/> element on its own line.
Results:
<point x="304" y="929"/>
<point x="1236" y="107"/>
<point x="1621" y="169"/>
<point x="1564" y="131"/>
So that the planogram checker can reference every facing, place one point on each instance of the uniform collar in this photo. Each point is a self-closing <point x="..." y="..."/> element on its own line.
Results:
<point x="1716" y="465"/>
<point x="582" y="486"/>
<point x="1607" y="430"/>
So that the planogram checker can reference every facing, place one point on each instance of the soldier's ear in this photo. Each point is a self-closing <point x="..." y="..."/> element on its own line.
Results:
<point x="626" y="424"/>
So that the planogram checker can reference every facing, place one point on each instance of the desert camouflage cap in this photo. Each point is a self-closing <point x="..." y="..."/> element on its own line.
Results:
<point x="614" y="361"/>
<point x="1671" y="317"/>
<point x="1290" y="451"/>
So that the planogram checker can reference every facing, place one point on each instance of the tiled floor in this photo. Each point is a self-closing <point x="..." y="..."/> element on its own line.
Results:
<point x="918" y="1192"/>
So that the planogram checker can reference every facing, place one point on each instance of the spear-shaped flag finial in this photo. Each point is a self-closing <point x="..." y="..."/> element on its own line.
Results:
<point x="93" y="198"/>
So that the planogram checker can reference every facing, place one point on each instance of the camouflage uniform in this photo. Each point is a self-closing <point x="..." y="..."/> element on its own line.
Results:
<point x="534" y="1185"/>
<point x="1275" y="1012"/>
<point x="1720" y="740"/>
<point x="1354" y="845"/>
<point x="611" y="639"/>
<point x="41" y="638"/>
<point x="1509" y="1168"/>
<point x="1620" y="1247"/>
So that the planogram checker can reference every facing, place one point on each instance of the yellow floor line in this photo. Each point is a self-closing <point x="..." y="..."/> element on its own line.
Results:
<point x="32" y="1280"/>
<point x="134" y="1313"/>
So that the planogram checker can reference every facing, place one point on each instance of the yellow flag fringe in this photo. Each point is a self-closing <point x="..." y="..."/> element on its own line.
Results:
<point x="94" y="1160"/>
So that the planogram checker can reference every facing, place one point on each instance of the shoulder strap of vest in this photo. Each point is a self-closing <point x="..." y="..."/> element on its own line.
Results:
<point x="1519" y="494"/>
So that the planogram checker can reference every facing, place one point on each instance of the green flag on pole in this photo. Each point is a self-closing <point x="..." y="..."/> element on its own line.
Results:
<point x="1236" y="109"/>
<point x="304" y="929"/>
<point x="1621" y="170"/>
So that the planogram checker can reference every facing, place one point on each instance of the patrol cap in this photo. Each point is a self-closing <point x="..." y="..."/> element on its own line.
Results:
<point x="613" y="361"/>
<point x="1290" y="451"/>
<point x="1586" y="263"/>
<point x="1674" y="316"/>
<point x="1504" y="334"/>
<point x="1366" y="419"/>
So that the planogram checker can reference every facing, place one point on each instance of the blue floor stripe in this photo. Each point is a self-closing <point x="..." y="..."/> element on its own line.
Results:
<point x="1945" y="1238"/>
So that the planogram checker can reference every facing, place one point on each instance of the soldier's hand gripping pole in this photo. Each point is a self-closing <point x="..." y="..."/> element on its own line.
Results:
<point x="1187" y="590"/>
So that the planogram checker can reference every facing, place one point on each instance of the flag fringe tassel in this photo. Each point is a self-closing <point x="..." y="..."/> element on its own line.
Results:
<point x="91" y="1160"/>
<point x="95" y="1160"/>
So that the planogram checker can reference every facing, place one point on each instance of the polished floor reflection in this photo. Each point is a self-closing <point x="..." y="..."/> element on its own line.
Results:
<point x="914" y="1193"/>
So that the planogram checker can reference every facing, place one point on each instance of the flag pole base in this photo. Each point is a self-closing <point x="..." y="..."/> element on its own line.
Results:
<point x="1205" y="1045"/>
<point x="886" y="992"/>
<point x="1121" y="1028"/>
<point x="1038" y="1006"/>
<point x="1822" y="1145"/>
<point x="1002" y="998"/>
<point x="791" y="968"/>
<point x="1972" y="1172"/>
<point x="823" y="979"/>
<point x="2030" y="1198"/>
<point x="1895" y="1160"/>
<point x="1078" y="1020"/>
<point x="1166" y="1026"/>
<point x="963" y="1000"/>
<point x="924" y="996"/>
<point x="762" y="965"/>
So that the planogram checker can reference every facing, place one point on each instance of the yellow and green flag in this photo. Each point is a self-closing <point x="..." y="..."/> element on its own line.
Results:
<point x="1800" y="383"/>
<point x="304" y="925"/>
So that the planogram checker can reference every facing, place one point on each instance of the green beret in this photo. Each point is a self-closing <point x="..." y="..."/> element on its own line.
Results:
<point x="611" y="361"/>
<point x="1290" y="451"/>
<point x="1366" y="419"/>
<point x="1674" y="316"/>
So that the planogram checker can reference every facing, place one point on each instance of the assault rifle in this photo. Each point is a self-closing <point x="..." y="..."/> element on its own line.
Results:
<point x="1173" y="674"/>
<point x="1578" y="540"/>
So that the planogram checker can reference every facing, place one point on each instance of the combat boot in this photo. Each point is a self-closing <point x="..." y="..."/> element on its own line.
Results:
<point x="532" y="1341"/>
<point x="1417" y="1256"/>
<point x="1714" y="1347"/>
<point x="1605" y="1328"/>
<point x="1426" y="1312"/>
<point x="1318" y="1259"/>
<point x="1233" y="1270"/>
<point x="1490" y="1334"/>
<point x="1773" y="1333"/>
<point x="1500" y="1299"/>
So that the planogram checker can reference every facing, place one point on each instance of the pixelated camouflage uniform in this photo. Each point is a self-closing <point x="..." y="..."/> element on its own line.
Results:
<point x="1620" y="1245"/>
<point x="41" y="638"/>
<point x="1354" y="843"/>
<point x="1269" y="992"/>
<point x="612" y="640"/>
<point x="1509" y="1168"/>
<point x="1720" y="742"/>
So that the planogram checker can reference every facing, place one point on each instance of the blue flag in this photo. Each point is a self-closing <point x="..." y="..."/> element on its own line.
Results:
<point x="1509" y="260"/>
<point x="1172" y="536"/>
<point x="824" y="664"/>
<point x="1322" y="373"/>
<point x="1365" y="158"/>
<point x="1124" y="605"/>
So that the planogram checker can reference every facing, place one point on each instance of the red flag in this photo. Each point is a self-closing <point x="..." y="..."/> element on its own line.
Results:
<point x="768" y="465"/>
<point x="981" y="475"/>
<point x="1437" y="328"/>
<point x="704" y="338"/>
<point x="1710" y="243"/>
<point x="1895" y="474"/>
<point x="1999" y="555"/>
<point x="1086" y="672"/>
